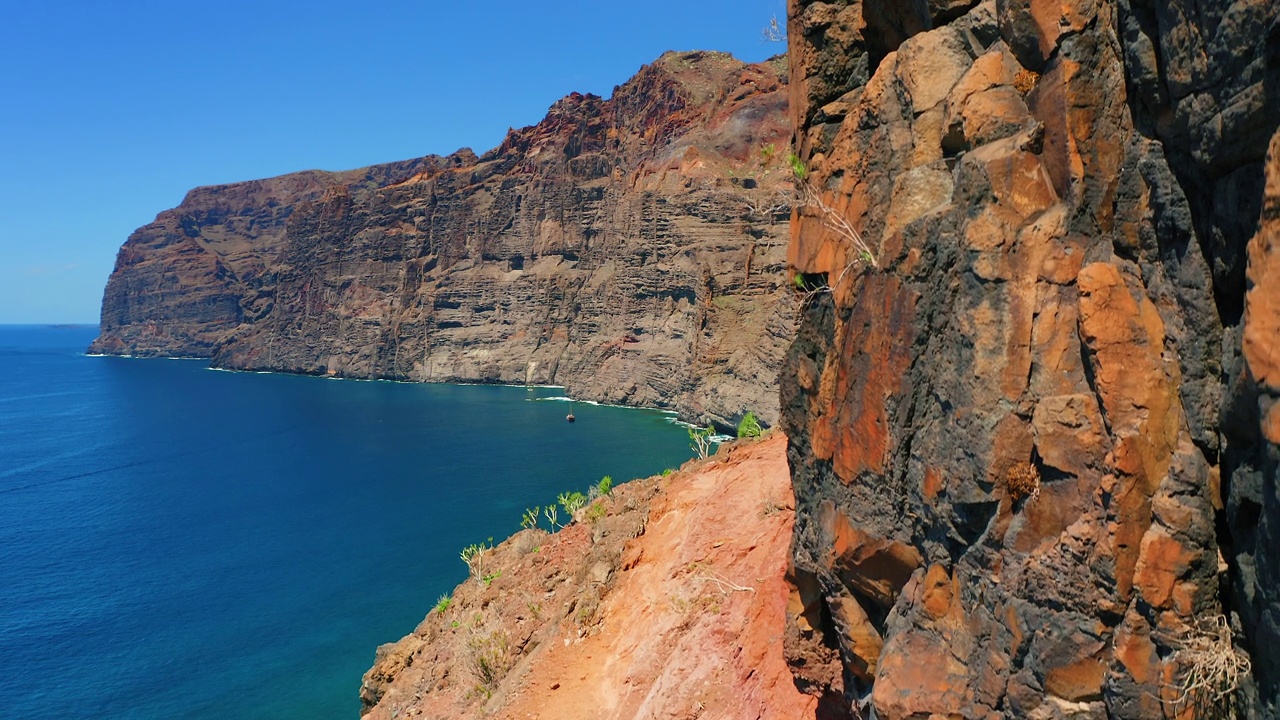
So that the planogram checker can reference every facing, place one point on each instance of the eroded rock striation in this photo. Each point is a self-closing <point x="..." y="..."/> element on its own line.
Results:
<point x="630" y="249"/>
<point x="1034" y="435"/>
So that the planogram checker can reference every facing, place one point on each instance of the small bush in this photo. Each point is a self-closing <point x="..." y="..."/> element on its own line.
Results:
<point x="473" y="556"/>
<point x="700" y="440"/>
<point x="572" y="502"/>
<point x="443" y="603"/>
<point x="595" y="512"/>
<point x="767" y="152"/>
<point x="488" y="659"/>
<point x="1023" y="481"/>
<point x="749" y="427"/>
<point x="1025" y="81"/>
<point x="605" y="486"/>
<point x="1212" y="670"/>
<point x="530" y="519"/>
<point x="798" y="168"/>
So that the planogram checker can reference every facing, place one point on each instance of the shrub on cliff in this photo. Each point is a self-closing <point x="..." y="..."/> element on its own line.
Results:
<point x="473" y="556"/>
<point x="749" y="427"/>
<point x="700" y="440"/>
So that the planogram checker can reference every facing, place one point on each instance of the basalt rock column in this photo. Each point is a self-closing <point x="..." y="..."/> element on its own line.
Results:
<point x="1032" y="437"/>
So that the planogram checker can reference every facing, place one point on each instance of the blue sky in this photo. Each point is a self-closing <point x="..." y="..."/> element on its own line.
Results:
<point x="111" y="110"/>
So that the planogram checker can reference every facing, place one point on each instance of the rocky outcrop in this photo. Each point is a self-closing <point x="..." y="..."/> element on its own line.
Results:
<point x="666" y="604"/>
<point x="1033" y="430"/>
<point x="630" y="249"/>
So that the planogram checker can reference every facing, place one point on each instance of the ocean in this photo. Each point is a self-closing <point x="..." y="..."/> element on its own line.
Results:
<point x="178" y="542"/>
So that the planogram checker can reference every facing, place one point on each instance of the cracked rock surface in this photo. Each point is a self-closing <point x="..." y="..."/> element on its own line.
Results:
<point x="1034" y="448"/>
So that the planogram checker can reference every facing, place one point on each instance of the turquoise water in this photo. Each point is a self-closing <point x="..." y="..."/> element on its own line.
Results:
<point x="177" y="542"/>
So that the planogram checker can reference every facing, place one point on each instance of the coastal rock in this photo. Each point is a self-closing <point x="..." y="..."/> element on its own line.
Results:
<point x="630" y="249"/>
<point x="1033" y="421"/>
<point x="671" y="604"/>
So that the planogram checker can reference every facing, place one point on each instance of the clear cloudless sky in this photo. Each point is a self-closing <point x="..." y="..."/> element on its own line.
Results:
<point x="110" y="110"/>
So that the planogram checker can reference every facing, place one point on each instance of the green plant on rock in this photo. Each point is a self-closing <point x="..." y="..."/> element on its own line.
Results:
<point x="488" y="579"/>
<point x="605" y="486"/>
<point x="443" y="603"/>
<point x="572" y="502"/>
<point x="700" y="440"/>
<point x="488" y="659"/>
<point x="749" y="426"/>
<point x="595" y="513"/>
<point x="552" y="513"/>
<point x="767" y="152"/>
<point x="530" y="519"/>
<point x="473" y="555"/>
<point x="798" y="168"/>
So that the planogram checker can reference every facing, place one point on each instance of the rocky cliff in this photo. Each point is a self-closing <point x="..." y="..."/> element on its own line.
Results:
<point x="630" y="249"/>
<point x="667" y="602"/>
<point x="1034" y="429"/>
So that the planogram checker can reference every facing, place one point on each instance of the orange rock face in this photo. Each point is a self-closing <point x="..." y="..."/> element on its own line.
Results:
<point x="1071" y="284"/>
<point x="671" y="606"/>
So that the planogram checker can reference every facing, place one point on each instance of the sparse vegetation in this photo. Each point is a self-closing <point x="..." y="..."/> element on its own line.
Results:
<point x="749" y="426"/>
<point x="700" y="440"/>
<point x="442" y="605"/>
<point x="488" y="660"/>
<point x="836" y="222"/>
<point x="605" y="486"/>
<point x="1023" y="481"/>
<point x="473" y="555"/>
<point x="771" y="506"/>
<point x="1025" y="81"/>
<point x="488" y="579"/>
<point x="667" y="471"/>
<point x="530" y="519"/>
<point x="572" y="502"/>
<point x="596" y="512"/>
<point x="552" y="513"/>
<point x="1212" y="669"/>
<point x="798" y="168"/>
<point x="775" y="31"/>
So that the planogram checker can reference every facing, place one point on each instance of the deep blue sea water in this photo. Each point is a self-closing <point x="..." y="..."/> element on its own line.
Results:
<point x="177" y="542"/>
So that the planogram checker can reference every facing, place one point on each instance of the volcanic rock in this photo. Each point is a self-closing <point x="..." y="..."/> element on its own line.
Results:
<point x="1033" y="423"/>
<point x="630" y="249"/>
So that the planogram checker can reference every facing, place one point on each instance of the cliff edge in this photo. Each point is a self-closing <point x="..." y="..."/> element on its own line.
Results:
<point x="629" y="248"/>
<point x="1033" y="431"/>
<point x="669" y="601"/>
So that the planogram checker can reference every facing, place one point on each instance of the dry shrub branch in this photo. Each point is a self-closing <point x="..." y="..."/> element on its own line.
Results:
<point x="839" y="224"/>
<point x="1213" y="667"/>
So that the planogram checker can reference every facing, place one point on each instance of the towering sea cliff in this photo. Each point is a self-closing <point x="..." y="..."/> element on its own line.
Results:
<point x="631" y="249"/>
<point x="1034" y="435"/>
